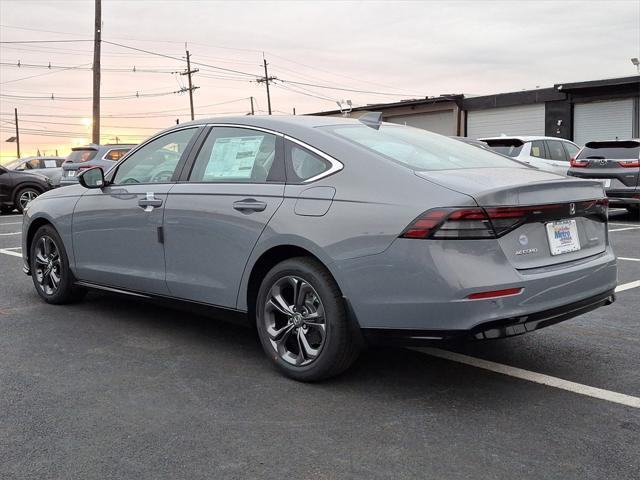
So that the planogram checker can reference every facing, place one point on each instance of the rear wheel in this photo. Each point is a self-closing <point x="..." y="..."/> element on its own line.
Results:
<point x="24" y="196"/>
<point x="302" y="321"/>
<point x="6" y="210"/>
<point x="50" y="268"/>
<point x="634" y="210"/>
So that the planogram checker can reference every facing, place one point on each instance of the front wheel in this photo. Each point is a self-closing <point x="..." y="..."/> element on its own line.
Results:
<point x="24" y="196"/>
<point x="302" y="321"/>
<point x="50" y="268"/>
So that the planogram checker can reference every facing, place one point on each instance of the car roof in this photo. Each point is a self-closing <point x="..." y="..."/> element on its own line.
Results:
<point x="524" y="138"/>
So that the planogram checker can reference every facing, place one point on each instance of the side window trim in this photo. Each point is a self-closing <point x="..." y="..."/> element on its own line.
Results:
<point x="335" y="165"/>
<point x="190" y="162"/>
<point x="114" y="170"/>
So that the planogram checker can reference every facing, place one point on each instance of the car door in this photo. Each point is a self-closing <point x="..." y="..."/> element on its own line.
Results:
<point x="216" y="213"/>
<point x="117" y="230"/>
<point x="557" y="157"/>
<point x="6" y="185"/>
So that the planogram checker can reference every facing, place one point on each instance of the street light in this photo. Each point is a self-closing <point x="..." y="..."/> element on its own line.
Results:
<point x="636" y="62"/>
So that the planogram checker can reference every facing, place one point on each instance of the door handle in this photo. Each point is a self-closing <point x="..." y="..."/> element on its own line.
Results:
<point x="249" y="204"/>
<point x="150" y="202"/>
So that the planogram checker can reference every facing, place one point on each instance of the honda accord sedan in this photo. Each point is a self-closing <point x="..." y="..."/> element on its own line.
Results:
<point x="328" y="233"/>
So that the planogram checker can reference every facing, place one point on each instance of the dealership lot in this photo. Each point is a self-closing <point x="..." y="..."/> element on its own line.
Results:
<point x="113" y="387"/>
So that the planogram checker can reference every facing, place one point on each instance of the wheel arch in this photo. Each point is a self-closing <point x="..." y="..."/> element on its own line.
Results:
<point x="267" y="260"/>
<point x="21" y="186"/>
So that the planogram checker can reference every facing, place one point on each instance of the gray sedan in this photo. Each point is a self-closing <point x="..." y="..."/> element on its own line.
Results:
<point x="328" y="233"/>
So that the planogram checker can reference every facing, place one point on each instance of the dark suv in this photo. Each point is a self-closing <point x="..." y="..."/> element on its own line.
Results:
<point x="82" y="158"/>
<point x="617" y="165"/>
<point x="17" y="189"/>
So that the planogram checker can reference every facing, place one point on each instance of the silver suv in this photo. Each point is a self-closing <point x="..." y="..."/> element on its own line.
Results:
<point x="617" y="165"/>
<point x="82" y="158"/>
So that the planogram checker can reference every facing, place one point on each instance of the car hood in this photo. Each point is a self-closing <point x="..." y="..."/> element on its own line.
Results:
<point x="514" y="186"/>
<point x="39" y="176"/>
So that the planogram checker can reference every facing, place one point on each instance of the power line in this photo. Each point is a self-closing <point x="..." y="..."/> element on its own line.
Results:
<point x="43" y="41"/>
<point x="43" y="74"/>
<point x="340" y="88"/>
<point x="83" y="67"/>
<point x="72" y="99"/>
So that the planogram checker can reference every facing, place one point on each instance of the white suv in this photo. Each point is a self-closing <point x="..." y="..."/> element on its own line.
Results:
<point x="546" y="153"/>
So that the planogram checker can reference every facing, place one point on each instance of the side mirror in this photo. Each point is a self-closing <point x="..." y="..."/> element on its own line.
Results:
<point x="92" y="178"/>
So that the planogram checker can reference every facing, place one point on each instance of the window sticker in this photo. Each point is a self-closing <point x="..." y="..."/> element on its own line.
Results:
<point x="50" y="164"/>
<point x="535" y="151"/>
<point x="233" y="157"/>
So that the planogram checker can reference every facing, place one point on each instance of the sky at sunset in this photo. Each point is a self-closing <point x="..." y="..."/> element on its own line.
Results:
<point x="373" y="51"/>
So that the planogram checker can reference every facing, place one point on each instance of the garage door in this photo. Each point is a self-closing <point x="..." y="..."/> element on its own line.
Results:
<point x="521" y="120"/>
<point x="438" y="122"/>
<point x="602" y="121"/>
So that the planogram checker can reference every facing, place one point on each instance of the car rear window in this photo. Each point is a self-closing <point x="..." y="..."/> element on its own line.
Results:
<point x="81" y="155"/>
<point x="509" y="147"/>
<point x="419" y="149"/>
<point x="611" y="150"/>
<point x="116" y="154"/>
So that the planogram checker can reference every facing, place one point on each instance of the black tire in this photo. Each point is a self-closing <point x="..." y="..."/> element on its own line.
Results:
<point x="340" y="344"/>
<point x="6" y="210"/>
<point x="634" y="210"/>
<point x="57" y="264"/>
<point x="28" y="191"/>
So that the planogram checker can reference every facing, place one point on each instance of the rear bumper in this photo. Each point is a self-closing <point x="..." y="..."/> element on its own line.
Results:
<point x="506" y="327"/>
<point x="424" y="285"/>
<point x="623" y="198"/>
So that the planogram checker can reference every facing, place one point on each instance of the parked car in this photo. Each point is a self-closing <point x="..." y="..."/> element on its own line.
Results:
<point x="48" y="166"/>
<point x="617" y="165"/>
<point x="17" y="189"/>
<point x="546" y="153"/>
<point x="82" y="158"/>
<point x="328" y="232"/>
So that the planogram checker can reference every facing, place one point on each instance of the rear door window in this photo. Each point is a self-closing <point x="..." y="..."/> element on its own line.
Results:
<point x="556" y="151"/>
<point x="238" y="155"/>
<point x="538" y="150"/>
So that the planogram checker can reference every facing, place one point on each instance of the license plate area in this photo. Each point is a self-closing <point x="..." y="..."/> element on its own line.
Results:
<point x="563" y="237"/>
<point x="71" y="173"/>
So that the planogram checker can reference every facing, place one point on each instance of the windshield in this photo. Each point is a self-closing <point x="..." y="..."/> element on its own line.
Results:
<point x="419" y="149"/>
<point x="12" y="165"/>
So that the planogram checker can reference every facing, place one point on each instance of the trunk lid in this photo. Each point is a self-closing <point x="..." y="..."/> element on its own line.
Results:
<point x="561" y="214"/>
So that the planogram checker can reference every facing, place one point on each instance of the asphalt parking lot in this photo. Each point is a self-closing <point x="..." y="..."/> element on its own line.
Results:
<point x="115" y="388"/>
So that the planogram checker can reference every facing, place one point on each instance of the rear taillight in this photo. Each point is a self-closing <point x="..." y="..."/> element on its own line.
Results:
<point x="629" y="163"/>
<point x="494" y="222"/>
<point x="574" y="162"/>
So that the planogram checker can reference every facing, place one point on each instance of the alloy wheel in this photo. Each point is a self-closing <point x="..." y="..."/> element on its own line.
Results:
<point x="295" y="322"/>
<point x="48" y="266"/>
<point x="26" y="197"/>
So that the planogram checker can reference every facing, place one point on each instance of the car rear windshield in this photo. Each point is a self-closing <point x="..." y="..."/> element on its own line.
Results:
<point x="512" y="148"/>
<point x="611" y="150"/>
<point x="81" y="155"/>
<point x="419" y="149"/>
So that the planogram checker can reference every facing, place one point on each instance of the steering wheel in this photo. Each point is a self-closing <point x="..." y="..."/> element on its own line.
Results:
<point x="162" y="176"/>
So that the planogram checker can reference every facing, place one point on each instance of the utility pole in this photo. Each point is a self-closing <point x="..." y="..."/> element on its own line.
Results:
<point x="191" y="87"/>
<point x="97" y="41"/>
<point x="266" y="79"/>
<point x="15" y="112"/>
<point x="252" y="112"/>
<point x="294" y="110"/>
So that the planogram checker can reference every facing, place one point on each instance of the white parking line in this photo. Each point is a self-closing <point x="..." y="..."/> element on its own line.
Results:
<point x="10" y="223"/>
<point x="629" y="259"/>
<point x="540" y="378"/>
<point x="623" y="229"/>
<point x="628" y="286"/>
<point x="11" y="233"/>
<point x="624" y="224"/>
<point x="6" y="251"/>
<point x="13" y="248"/>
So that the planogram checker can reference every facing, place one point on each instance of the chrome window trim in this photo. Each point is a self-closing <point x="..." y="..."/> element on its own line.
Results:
<point x="335" y="167"/>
